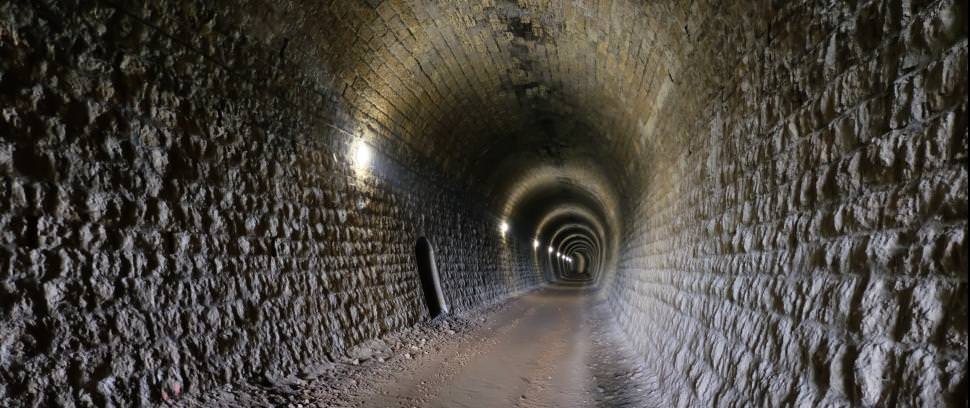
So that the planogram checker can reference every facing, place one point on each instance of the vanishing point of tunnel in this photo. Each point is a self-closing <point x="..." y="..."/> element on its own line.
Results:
<point x="483" y="203"/>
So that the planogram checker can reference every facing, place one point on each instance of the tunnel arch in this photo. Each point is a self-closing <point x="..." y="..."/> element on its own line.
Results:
<point x="790" y="175"/>
<point x="566" y="233"/>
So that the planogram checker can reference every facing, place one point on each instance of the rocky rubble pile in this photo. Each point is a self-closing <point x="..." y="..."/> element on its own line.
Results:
<point x="348" y="372"/>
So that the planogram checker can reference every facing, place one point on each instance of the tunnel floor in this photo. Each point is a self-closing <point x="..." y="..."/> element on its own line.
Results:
<point x="551" y="347"/>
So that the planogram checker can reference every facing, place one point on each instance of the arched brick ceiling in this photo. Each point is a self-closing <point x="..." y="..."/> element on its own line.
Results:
<point x="525" y="102"/>
<point x="470" y="82"/>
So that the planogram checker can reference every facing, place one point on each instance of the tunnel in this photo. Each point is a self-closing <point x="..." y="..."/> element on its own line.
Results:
<point x="483" y="203"/>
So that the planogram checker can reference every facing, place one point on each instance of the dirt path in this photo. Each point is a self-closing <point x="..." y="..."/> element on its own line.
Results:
<point x="545" y="350"/>
<point x="549" y="348"/>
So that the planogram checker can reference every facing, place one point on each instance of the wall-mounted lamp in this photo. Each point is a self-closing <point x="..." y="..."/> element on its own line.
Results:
<point x="361" y="153"/>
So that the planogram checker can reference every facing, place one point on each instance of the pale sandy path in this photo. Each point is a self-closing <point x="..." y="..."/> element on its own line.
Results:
<point x="545" y="350"/>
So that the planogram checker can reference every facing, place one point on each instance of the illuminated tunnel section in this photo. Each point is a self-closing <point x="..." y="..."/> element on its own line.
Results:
<point x="570" y="213"/>
<point x="583" y="255"/>
<point x="564" y="237"/>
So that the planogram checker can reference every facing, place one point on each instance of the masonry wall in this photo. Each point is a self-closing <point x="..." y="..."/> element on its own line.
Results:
<point x="178" y="212"/>
<point x="803" y="240"/>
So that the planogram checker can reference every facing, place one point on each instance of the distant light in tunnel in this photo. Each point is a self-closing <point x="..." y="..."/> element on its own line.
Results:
<point x="535" y="244"/>
<point x="362" y="154"/>
<point x="503" y="227"/>
<point x="550" y="249"/>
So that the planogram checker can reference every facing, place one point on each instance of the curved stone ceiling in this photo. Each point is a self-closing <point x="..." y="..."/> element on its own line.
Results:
<point x="533" y="104"/>
<point x="470" y="83"/>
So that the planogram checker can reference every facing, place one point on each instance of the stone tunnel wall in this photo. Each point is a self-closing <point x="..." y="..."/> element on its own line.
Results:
<point x="807" y="244"/>
<point x="178" y="210"/>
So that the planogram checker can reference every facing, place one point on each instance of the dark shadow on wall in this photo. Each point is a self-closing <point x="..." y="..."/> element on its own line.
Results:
<point x="430" y="282"/>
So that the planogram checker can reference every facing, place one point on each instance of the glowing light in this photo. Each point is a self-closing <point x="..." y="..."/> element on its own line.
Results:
<point x="362" y="154"/>
<point x="504" y="227"/>
<point x="535" y="244"/>
<point x="550" y="249"/>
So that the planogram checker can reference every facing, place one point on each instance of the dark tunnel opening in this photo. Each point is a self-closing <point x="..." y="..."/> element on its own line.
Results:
<point x="430" y="281"/>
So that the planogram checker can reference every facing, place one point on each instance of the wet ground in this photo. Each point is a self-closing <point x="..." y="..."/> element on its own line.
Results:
<point x="552" y="347"/>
